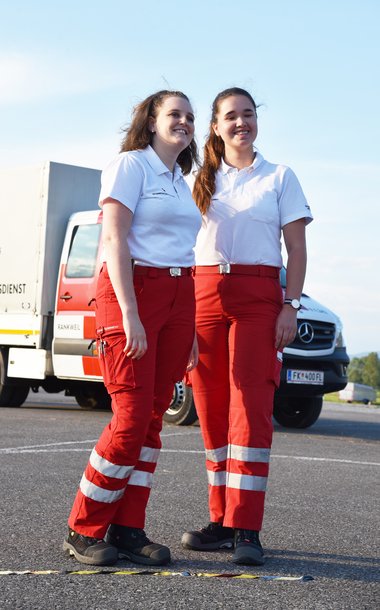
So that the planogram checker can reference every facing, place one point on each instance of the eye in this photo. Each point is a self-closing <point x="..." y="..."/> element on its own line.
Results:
<point x="190" y="118"/>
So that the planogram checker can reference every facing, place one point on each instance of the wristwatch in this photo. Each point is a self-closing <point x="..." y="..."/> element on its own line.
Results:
<point x="293" y="303"/>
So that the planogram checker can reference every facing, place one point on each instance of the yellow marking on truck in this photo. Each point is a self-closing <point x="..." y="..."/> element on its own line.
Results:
<point x="7" y="331"/>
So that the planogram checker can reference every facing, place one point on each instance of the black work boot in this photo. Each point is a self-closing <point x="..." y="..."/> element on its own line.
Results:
<point x="248" y="549"/>
<point x="133" y="544"/>
<point x="89" y="550"/>
<point x="211" y="538"/>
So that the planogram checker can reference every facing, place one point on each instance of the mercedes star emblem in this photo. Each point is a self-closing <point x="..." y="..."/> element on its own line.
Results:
<point x="306" y="332"/>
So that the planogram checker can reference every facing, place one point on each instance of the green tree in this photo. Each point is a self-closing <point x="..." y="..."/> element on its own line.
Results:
<point x="371" y="370"/>
<point x="355" y="370"/>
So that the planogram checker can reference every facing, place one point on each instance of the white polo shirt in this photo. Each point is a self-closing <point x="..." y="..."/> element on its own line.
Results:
<point x="166" y="219"/>
<point x="247" y="212"/>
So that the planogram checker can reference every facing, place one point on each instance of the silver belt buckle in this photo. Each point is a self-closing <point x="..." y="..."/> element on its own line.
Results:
<point x="225" y="268"/>
<point x="175" y="271"/>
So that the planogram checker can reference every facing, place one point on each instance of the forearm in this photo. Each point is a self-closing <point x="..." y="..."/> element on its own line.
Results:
<point x="295" y="271"/>
<point x="119" y="265"/>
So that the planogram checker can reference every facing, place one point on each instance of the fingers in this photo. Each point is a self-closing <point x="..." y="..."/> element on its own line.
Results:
<point x="193" y="361"/>
<point x="286" y="328"/>
<point x="135" y="348"/>
<point x="283" y="339"/>
<point x="284" y="335"/>
<point x="194" y="355"/>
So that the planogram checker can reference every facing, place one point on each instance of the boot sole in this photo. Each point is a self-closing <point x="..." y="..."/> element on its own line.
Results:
<point x="193" y="543"/>
<point x="248" y="560"/>
<point x="109" y="560"/>
<point x="146" y="561"/>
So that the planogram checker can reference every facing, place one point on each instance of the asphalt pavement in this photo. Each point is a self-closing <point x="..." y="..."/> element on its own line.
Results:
<point x="321" y="520"/>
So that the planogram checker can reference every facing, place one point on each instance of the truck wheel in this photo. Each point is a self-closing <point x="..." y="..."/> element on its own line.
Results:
<point x="93" y="398"/>
<point x="18" y="396"/>
<point x="10" y="395"/>
<point x="181" y="410"/>
<point x="297" y="412"/>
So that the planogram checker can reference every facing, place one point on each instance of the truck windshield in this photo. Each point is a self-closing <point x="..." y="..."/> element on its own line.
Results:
<point x="83" y="251"/>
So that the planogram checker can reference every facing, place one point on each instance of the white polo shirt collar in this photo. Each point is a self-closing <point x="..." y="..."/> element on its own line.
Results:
<point x="159" y="166"/>
<point x="225" y="169"/>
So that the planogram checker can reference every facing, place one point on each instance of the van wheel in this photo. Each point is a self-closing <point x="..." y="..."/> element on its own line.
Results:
<point x="181" y="410"/>
<point x="297" y="412"/>
<point x="10" y="395"/>
<point x="93" y="398"/>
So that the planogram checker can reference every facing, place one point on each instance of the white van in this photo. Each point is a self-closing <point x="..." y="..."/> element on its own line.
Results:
<point x="358" y="392"/>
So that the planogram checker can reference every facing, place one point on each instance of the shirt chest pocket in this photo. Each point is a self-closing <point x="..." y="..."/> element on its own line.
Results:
<point x="264" y="207"/>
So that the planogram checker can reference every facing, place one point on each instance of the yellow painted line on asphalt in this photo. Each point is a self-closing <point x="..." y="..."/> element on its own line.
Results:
<point x="304" y="578"/>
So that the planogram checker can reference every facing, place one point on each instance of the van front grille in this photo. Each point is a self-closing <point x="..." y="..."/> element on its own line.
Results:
<point x="312" y="335"/>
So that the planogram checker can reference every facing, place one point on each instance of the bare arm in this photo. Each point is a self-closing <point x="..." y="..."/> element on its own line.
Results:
<point x="295" y="242"/>
<point x="117" y="220"/>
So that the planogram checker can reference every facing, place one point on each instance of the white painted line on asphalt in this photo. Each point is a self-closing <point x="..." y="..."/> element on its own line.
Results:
<point x="55" y="448"/>
<point x="6" y="449"/>
<point x="318" y="459"/>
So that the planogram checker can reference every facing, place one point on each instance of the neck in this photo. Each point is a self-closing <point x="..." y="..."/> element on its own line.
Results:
<point x="239" y="158"/>
<point x="167" y="155"/>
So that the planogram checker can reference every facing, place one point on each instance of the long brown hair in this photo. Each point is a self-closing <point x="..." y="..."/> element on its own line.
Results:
<point x="204" y="185"/>
<point x="138" y="135"/>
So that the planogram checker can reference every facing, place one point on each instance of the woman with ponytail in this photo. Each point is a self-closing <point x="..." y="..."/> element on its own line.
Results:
<point x="243" y="320"/>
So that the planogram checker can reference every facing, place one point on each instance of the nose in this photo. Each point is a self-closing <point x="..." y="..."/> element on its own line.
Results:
<point x="240" y="120"/>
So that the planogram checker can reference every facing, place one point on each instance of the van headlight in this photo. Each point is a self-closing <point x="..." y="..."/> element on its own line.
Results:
<point x="339" y="341"/>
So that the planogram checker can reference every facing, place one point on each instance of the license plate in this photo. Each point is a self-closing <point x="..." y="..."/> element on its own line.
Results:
<point x="307" y="377"/>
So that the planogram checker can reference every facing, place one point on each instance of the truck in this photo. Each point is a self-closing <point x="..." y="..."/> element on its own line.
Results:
<point x="50" y="257"/>
<point x="358" y="392"/>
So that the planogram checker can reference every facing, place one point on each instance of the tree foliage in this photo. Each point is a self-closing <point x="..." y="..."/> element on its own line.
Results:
<point x="365" y="370"/>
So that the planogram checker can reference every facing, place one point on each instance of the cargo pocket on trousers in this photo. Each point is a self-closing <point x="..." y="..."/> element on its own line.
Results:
<point x="116" y="367"/>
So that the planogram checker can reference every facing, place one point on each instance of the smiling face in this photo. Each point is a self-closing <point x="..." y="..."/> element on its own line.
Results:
<point x="236" y="123"/>
<point x="173" y="126"/>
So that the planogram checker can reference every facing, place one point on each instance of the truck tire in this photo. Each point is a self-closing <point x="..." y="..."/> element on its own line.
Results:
<point x="93" y="397"/>
<point x="182" y="409"/>
<point x="10" y="395"/>
<point x="296" y="411"/>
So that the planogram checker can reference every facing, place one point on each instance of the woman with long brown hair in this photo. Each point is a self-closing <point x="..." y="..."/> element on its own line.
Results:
<point x="242" y="320"/>
<point x="145" y="313"/>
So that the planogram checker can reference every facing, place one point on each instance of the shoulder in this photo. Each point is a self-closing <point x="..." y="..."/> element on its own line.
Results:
<point x="125" y="162"/>
<point x="280" y="169"/>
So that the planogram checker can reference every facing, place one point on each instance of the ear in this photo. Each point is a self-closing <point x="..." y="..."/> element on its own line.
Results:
<point x="152" y="124"/>
<point x="215" y="129"/>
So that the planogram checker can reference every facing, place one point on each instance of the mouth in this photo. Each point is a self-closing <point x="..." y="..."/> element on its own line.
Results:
<point x="182" y="131"/>
<point x="241" y="132"/>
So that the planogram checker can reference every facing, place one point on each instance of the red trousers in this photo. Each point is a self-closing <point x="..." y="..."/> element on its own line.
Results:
<point x="116" y="484"/>
<point x="233" y="384"/>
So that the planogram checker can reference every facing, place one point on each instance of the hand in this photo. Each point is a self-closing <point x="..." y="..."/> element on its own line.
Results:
<point x="136" y="343"/>
<point x="286" y="327"/>
<point x="194" y="354"/>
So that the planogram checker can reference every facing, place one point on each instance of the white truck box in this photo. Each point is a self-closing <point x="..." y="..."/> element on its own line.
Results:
<point x="35" y="205"/>
<point x="358" y="392"/>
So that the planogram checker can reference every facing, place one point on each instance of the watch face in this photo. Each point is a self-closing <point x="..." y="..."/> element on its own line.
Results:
<point x="296" y="304"/>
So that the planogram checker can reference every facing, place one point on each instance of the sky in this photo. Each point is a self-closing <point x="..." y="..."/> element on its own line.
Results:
<point x="71" y="72"/>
